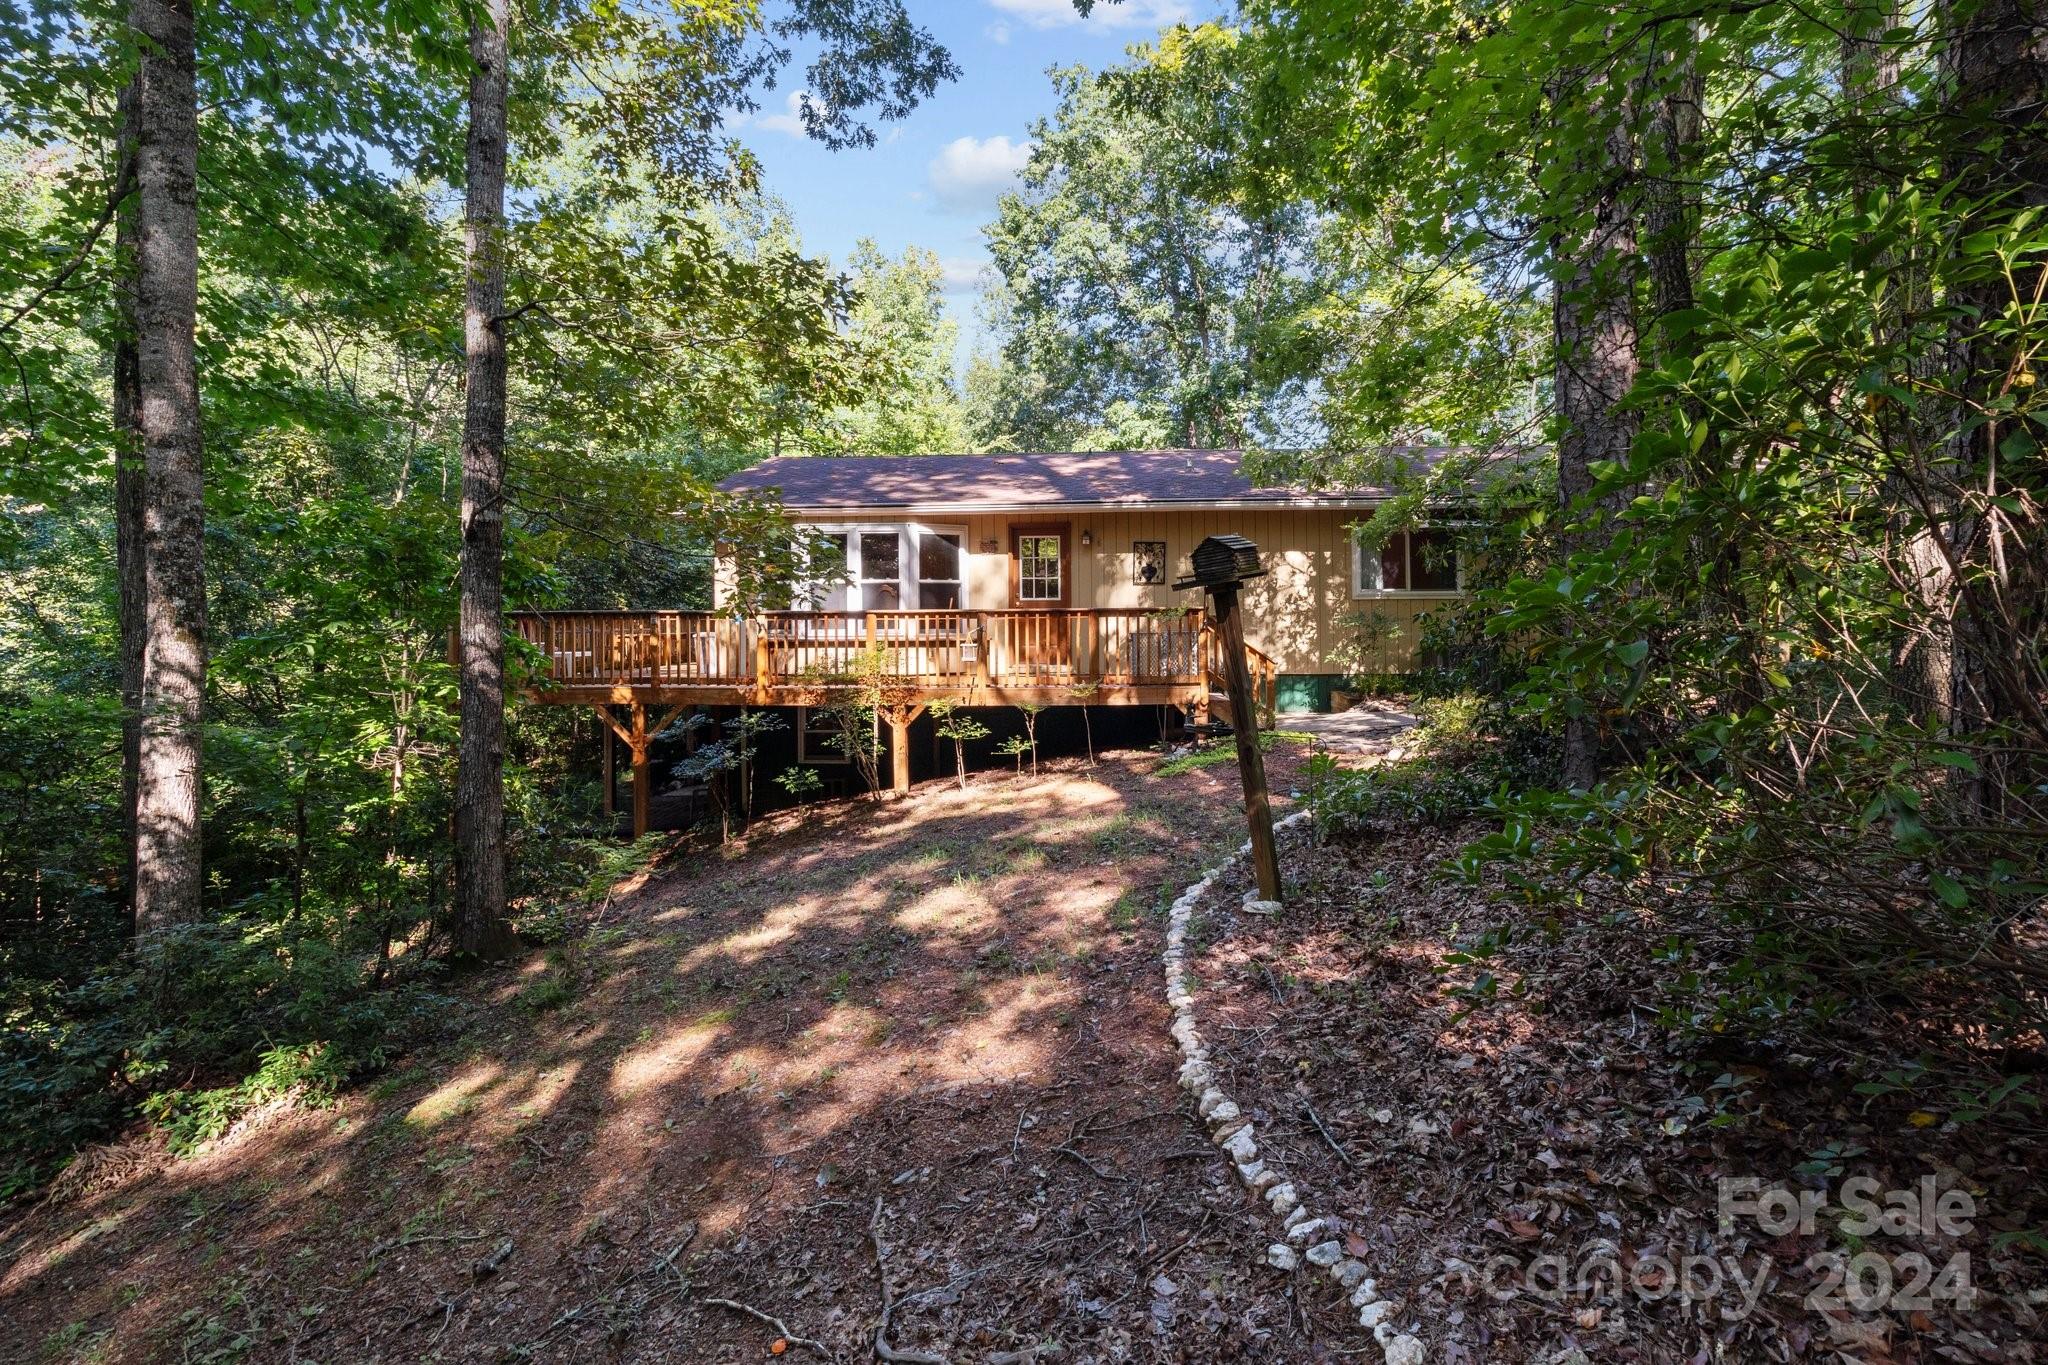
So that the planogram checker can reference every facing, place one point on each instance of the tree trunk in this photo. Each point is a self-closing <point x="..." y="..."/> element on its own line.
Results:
<point x="480" y="926"/>
<point x="1594" y="337"/>
<point x="168" y="881"/>
<point x="128" y="484"/>
<point x="1669" y="197"/>
<point x="1995" y="62"/>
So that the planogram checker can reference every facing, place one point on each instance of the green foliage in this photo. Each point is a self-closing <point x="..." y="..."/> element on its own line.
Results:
<point x="899" y="329"/>
<point x="664" y="327"/>
<point x="1804" y="606"/>
<point x="800" y="782"/>
<point x="726" y="764"/>
<point x="952" y="724"/>
<point x="192" y="1118"/>
<point x="1141" y="303"/>
<point x="1216" y="755"/>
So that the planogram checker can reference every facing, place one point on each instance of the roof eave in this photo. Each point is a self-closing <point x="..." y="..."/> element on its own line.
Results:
<point x="1177" y="504"/>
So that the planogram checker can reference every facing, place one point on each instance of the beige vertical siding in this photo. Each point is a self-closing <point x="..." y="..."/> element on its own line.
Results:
<point x="1301" y="612"/>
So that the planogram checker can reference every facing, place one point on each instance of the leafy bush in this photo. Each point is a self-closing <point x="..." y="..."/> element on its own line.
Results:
<point x="1456" y="768"/>
<point x="1227" y="753"/>
<point x="215" y="1002"/>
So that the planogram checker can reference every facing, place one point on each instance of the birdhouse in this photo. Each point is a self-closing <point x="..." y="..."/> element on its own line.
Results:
<point x="1220" y="561"/>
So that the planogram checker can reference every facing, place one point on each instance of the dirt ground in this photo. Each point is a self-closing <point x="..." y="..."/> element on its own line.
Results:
<point x="897" y="1063"/>
<point x="1501" y="1112"/>
<point x="903" y="1068"/>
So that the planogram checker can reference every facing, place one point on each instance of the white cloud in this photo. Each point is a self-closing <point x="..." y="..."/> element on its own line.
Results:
<point x="961" y="274"/>
<point x="790" y="121"/>
<point x="1128" y="14"/>
<point x="969" y="172"/>
<point x="998" y="33"/>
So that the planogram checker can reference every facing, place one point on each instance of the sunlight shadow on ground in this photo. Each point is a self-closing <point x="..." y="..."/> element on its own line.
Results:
<point x="750" y="1027"/>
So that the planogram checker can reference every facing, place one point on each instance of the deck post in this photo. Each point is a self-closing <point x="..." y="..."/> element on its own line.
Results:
<point x="611" y="793"/>
<point x="1258" y="807"/>
<point x="643" y="772"/>
<point x="900" y="719"/>
<point x="984" y="642"/>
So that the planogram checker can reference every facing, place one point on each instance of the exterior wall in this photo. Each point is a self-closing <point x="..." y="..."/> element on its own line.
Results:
<point x="1296" y="613"/>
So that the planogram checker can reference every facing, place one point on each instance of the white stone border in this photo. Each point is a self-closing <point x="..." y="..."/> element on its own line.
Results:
<point x="1231" y="1131"/>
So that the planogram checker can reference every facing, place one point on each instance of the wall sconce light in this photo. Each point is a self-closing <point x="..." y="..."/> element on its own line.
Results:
<point x="1087" y="537"/>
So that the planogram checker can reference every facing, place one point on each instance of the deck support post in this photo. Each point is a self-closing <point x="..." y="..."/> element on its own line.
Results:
<point x="611" y="784"/>
<point x="643" y="771"/>
<point x="900" y="718"/>
<point x="1258" y="807"/>
<point x="639" y="740"/>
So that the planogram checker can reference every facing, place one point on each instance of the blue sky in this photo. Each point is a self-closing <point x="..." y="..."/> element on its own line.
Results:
<point x="933" y="179"/>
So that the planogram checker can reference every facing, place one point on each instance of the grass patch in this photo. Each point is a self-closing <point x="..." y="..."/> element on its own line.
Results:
<point x="1227" y="753"/>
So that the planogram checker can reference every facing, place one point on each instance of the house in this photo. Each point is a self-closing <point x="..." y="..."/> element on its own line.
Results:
<point x="1112" y="531"/>
<point x="1041" y="580"/>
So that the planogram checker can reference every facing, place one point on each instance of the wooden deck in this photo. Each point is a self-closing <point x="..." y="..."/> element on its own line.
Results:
<point x="658" y="664"/>
<point x="1066" y="657"/>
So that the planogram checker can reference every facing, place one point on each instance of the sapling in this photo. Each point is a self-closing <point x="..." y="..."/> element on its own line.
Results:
<point x="1030" y="711"/>
<point x="957" y="726"/>
<point x="1083" y="693"/>
<point x="1016" y="746"/>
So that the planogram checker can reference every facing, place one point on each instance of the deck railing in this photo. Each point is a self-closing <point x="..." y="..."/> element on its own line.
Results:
<point x="776" y="654"/>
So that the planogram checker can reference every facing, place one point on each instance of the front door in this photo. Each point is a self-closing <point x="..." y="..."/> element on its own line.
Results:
<point x="1039" y="569"/>
<point x="1040" y="644"/>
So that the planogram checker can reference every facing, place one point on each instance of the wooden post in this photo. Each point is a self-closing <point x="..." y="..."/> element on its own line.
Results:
<point x="1258" y="809"/>
<point x="764" y="672"/>
<point x="899" y="755"/>
<point x="611" y="782"/>
<point x="900" y="719"/>
<point x="643" y="772"/>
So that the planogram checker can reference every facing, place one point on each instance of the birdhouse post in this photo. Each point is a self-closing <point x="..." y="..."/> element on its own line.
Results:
<point x="1221" y="566"/>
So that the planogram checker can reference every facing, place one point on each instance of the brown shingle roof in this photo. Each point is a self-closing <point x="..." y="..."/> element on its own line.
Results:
<point x="1105" y="478"/>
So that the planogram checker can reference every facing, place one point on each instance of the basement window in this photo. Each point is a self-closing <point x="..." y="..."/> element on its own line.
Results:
<point x="818" y="734"/>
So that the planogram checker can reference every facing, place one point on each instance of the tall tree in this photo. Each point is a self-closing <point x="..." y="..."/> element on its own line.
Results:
<point x="899" y="326"/>
<point x="1138" y="297"/>
<point x="168" y="879"/>
<point x="479" y="921"/>
<point x="647" y="94"/>
<point x="1989" y="479"/>
<point x="1594" y="338"/>
<point x="128" y="484"/>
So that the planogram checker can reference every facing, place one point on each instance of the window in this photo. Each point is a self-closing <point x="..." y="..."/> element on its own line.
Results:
<point x="938" y="570"/>
<point x="824" y="572"/>
<point x="818" y="736"/>
<point x="1423" y="561"/>
<point x="1041" y="567"/>
<point x="881" y="570"/>
<point x="887" y="566"/>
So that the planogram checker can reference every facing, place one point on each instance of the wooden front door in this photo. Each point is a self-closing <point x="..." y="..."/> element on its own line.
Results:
<point x="1041" y="648"/>
<point x="1041" y="572"/>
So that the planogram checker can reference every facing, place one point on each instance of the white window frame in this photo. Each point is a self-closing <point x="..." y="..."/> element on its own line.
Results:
<point x="1359" y="590"/>
<point x="906" y="532"/>
<point x="804" y="746"/>
<point x="1063" y="568"/>
<point x="911" y="595"/>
